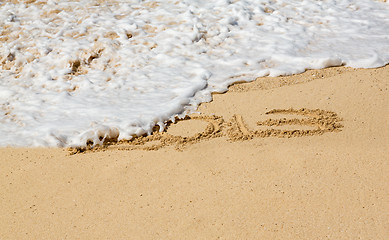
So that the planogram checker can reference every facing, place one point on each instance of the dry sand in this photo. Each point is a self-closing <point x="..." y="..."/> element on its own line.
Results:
<point x="230" y="173"/>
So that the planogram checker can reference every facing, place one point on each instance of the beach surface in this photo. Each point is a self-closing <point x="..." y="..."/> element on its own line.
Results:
<point x="318" y="170"/>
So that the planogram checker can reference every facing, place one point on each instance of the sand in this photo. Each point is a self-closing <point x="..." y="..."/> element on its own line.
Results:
<point x="318" y="169"/>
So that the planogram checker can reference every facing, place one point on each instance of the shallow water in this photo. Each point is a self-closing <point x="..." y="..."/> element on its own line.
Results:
<point x="73" y="72"/>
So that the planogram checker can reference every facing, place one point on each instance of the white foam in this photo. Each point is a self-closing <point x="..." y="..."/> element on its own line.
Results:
<point x="74" y="72"/>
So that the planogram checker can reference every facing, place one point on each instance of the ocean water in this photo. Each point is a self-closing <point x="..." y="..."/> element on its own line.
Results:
<point x="78" y="71"/>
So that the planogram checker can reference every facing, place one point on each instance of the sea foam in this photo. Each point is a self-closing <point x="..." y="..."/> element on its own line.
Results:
<point x="77" y="71"/>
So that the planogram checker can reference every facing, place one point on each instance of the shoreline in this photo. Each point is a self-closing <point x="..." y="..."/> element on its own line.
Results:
<point x="332" y="184"/>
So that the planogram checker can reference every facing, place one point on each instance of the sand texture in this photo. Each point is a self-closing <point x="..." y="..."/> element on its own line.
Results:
<point x="298" y="157"/>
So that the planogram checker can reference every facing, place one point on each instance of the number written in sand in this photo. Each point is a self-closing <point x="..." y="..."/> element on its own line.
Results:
<point x="319" y="121"/>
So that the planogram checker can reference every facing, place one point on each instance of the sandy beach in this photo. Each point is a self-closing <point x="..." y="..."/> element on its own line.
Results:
<point x="318" y="169"/>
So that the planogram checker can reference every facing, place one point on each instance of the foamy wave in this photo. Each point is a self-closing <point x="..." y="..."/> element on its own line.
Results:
<point x="74" y="72"/>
